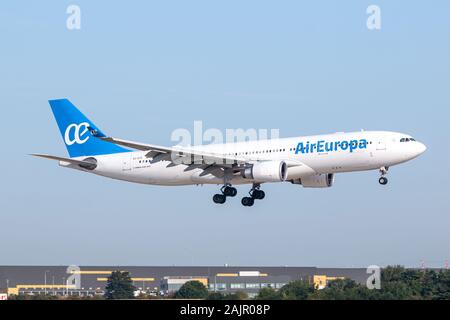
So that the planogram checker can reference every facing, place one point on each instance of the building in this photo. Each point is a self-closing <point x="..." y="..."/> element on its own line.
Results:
<point x="170" y="285"/>
<point x="91" y="280"/>
<point x="320" y="281"/>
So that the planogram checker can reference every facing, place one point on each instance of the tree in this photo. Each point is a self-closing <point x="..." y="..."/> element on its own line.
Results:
<point x="238" y="295"/>
<point x="215" y="296"/>
<point x="428" y="286"/>
<point x="340" y="289"/>
<point x="268" y="293"/>
<point x="397" y="283"/>
<point x="392" y="273"/>
<point x="192" y="290"/>
<point x="119" y="286"/>
<point x="443" y="285"/>
<point x="297" y="290"/>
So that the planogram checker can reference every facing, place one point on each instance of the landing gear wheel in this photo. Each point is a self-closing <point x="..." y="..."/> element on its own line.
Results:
<point x="219" y="198"/>
<point x="247" y="201"/>
<point x="383" y="181"/>
<point x="258" y="194"/>
<point x="229" y="191"/>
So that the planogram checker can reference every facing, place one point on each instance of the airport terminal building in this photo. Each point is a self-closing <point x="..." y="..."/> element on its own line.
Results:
<point x="163" y="280"/>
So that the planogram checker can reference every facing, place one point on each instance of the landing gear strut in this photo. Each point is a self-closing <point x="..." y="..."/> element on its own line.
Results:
<point x="255" y="194"/>
<point x="227" y="191"/>
<point x="383" y="180"/>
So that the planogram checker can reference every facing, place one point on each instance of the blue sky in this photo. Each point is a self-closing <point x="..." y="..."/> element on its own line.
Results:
<point x="142" y="69"/>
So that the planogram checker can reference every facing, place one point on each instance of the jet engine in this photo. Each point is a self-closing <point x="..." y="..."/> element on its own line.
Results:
<point x="316" y="181"/>
<point x="266" y="171"/>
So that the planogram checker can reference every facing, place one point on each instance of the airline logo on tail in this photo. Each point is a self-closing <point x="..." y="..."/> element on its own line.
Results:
<point x="79" y="131"/>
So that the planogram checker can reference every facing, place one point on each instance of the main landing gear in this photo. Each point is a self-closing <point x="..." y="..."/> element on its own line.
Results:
<point x="227" y="191"/>
<point x="255" y="194"/>
<point x="383" y="180"/>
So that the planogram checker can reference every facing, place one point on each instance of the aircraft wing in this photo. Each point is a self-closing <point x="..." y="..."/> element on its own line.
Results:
<point x="181" y="155"/>
<point x="81" y="163"/>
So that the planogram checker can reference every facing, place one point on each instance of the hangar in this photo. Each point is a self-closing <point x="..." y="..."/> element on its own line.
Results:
<point x="164" y="280"/>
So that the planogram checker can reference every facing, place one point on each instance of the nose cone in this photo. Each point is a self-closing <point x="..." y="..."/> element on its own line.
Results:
<point x="420" y="148"/>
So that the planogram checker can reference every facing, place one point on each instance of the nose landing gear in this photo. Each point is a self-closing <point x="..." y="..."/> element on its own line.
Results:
<point x="383" y="180"/>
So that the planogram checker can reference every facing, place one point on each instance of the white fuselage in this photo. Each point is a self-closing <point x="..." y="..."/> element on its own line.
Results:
<point x="318" y="154"/>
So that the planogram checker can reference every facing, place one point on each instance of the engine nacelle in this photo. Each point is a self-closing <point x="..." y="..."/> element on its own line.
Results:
<point x="316" y="181"/>
<point x="266" y="171"/>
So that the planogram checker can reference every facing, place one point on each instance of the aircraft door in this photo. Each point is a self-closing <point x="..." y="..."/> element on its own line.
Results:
<point x="126" y="162"/>
<point x="381" y="145"/>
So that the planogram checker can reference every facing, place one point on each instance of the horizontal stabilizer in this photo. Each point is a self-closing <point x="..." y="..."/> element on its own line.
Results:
<point x="82" y="163"/>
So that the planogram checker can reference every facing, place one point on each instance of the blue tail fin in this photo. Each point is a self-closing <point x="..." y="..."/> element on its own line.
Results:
<point x="76" y="131"/>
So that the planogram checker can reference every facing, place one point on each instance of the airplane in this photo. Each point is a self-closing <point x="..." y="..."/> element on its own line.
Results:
<point x="310" y="161"/>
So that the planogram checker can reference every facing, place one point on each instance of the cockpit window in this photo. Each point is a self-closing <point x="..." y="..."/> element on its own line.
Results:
<point x="407" y="139"/>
